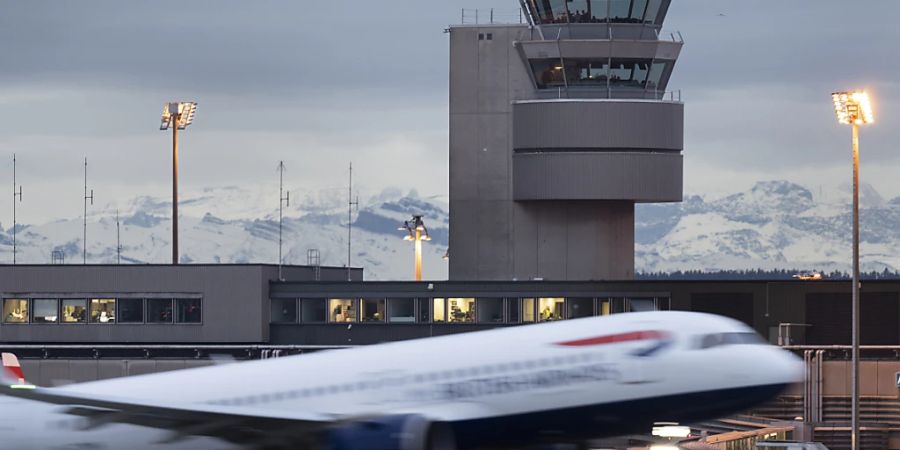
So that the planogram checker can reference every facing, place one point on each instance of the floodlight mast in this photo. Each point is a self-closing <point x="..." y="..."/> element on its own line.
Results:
<point x="854" y="109"/>
<point x="177" y="115"/>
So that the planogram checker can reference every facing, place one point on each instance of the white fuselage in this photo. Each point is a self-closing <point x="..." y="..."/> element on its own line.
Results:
<point x="527" y="370"/>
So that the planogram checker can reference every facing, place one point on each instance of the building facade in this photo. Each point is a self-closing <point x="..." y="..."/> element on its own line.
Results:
<point x="557" y="128"/>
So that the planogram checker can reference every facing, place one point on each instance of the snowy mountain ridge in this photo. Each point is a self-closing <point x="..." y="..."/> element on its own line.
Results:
<point x="775" y="224"/>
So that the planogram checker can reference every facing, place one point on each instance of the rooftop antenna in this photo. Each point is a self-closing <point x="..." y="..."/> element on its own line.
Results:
<point x="284" y="199"/>
<point x="86" y="198"/>
<point x="19" y="195"/>
<point x="118" y="240"/>
<point x="350" y="204"/>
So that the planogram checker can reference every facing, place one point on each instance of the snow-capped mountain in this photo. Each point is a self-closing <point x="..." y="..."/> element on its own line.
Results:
<point x="775" y="224"/>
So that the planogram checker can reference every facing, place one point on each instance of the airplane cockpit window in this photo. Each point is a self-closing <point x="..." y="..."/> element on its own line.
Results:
<point x="734" y="338"/>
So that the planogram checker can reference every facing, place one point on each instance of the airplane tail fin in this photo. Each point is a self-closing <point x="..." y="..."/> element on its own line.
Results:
<point x="12" y="371"/>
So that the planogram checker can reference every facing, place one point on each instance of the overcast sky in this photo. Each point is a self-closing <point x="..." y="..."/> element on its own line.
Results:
<point x="319" y="84"/>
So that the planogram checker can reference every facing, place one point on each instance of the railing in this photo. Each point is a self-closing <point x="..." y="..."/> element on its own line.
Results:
<point x="670" y="35"/>
<point x="491" y="16"/>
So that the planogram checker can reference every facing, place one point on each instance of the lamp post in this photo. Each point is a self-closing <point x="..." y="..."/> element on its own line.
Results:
<point x="177" y="115"/>
<point x="416" y="232"/>
<point x="854" y="109"/>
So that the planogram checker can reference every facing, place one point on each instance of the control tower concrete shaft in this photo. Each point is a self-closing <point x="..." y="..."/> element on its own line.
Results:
<point x="557" y="128"/>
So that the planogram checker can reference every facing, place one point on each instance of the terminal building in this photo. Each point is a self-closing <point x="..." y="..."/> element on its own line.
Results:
<point x="557" y="128"/>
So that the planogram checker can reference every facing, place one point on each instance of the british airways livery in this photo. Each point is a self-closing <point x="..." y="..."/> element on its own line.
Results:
<point x="558" y="382"/>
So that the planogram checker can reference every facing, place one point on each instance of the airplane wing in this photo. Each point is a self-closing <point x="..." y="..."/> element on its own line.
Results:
<point x="241" y="425"/>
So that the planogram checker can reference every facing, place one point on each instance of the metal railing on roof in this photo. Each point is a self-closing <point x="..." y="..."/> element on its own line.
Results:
<point x="491" y="16"/>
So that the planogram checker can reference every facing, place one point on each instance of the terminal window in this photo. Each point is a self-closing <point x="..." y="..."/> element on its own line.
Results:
<point x="74" y="310"/>
<point x="342" y="310"/>
<point x="461" y="309"/>
<point x="284" y="310"/>
<point x="579" y="307"/>
<point x="550" y="308"/>
<point x="159" y="310"/>
<point x="402" y="310"/>
<point x="489" y="310"/>
<point x="312" y="310"/>
<point x="528" y="306"/>
<point x="372" y="309"/>
<point x="103" y="310"/>
<point x="131" y="310"/>
<point x="45" y="310"/>
<point x="187" y="310"/>
<point x="15" y="310"/>
<point x="440" y="311"/>
<point x="424" y="310"/>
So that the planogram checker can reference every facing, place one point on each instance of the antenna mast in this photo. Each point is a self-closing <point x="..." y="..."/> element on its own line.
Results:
<point x="15" y="194"/>
<point x="86" y="198"/>
<point x="284" y="199"/>
<point x="350" y="204"/>
<point x="118" y="240"/>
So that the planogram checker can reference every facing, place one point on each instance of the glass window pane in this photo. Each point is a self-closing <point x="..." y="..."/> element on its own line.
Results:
<point x="187" y="310"/>
<point x="599" y="10"/>
<point x="655" y="75"/>
<point x="641" y="304"/>
<point x="652" y="11"/>
<point x="551" y="308"/>
<point x="629" y="73"/>
<point x="131" y="310"/>
<point x="605" y="307"/>
<point x="312" y="310"/>
<point x="512" y="310"/>
<point x="342" y="310"/>
<point x="528" y="305"/>
<point x="461" y="309"/>
<point x="637" y="10"/>
<point x="579" y="307"/>
<point x="489" y="310"/>
<point x="46" y="310"/>
<point x="103" y="310"/>
<point x="548" y="73"/>
<point x="159" y="310"/>
<point x="74" y="310"/>
<point x="424" y="310"/>
<point x="284" y="310"/>
<point x="552" y="11"/>
<point x="578" y="11"/>
<point x="372" y="310"/>
<point x="403" y="310"/>
<point x="15" y="310"/>
<point x="587" y="72"/>
<point x="619" y="10"/>
<point x="439" y="310"/>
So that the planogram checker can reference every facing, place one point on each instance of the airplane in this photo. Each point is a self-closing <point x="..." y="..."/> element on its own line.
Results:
<point x="561" y="382"/>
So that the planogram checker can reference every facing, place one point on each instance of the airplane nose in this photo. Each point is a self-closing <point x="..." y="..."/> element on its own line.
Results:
<point x="786" y="366"/>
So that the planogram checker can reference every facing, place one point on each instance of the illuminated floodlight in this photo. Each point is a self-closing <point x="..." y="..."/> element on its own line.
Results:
<point x="416" y="231"/>
<point x="180" y="113"/>
<point x="671" y="431"/>
<point x="853" y="107"/>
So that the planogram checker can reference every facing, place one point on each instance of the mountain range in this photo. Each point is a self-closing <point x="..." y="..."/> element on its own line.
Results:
<point x="774" y="224"/>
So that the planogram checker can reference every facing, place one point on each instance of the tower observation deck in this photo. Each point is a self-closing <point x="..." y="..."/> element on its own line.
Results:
<point x="557" y="128"/>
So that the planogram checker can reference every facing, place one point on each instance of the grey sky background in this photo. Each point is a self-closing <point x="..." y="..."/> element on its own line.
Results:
<point x="319" y="84"/>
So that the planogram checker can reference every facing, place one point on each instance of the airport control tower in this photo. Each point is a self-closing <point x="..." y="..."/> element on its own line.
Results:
<point x="557" y="128"/>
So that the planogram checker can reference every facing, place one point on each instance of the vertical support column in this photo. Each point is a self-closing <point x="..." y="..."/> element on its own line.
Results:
<point x="854" y="377"/>
<point x="175" y="191"/>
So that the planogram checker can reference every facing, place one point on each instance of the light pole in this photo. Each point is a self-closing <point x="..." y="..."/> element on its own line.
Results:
<point x="854" y="109"/>
<point x="416" y="232"/>
<point x="177" y="115"/>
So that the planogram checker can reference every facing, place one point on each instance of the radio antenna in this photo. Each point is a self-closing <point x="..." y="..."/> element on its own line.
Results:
<point x="350" y="204"/>
<point x="118" y="240"/>
<point x="86" y="198"/>
<point x="284" y="199"/>
<point x="19" y="195"/>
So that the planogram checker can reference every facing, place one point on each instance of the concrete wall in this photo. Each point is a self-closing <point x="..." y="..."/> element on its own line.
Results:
<point x="583" y="226"/>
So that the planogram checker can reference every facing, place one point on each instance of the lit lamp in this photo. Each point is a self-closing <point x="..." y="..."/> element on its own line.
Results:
<point x="177" y="115"/>
<point x="854" y="109"/>
<point x="417" y="232"/>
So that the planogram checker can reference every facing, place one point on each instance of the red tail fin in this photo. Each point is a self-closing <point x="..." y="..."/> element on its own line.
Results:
<point x="12" y="368"/>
